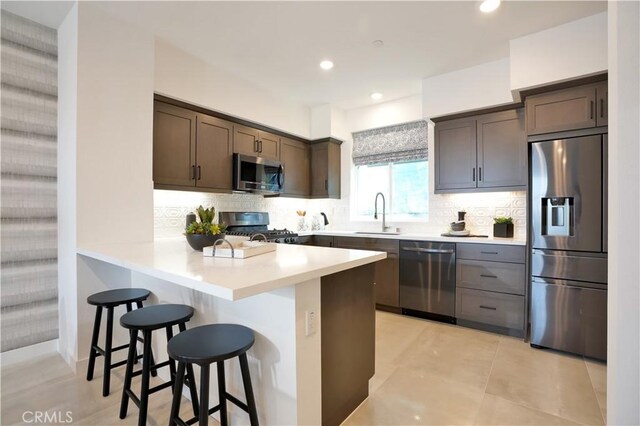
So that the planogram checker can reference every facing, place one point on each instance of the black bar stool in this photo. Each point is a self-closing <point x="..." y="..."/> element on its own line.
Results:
<point x="147" y="320"/>
<point x="109" y="300"/>
<point x="203" y="346"/>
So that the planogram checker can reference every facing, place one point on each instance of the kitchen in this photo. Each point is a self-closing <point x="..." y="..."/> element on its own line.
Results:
<point x="105" y="152"/>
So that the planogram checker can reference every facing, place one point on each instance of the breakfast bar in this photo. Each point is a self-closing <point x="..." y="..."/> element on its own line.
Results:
<point x="312" y="310"/>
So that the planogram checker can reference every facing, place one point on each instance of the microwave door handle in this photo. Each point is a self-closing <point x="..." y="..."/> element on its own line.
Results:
<point x="280" y="173"/>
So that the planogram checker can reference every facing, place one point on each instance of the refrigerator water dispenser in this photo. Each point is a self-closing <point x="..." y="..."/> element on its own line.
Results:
<point x="557" y="217"/>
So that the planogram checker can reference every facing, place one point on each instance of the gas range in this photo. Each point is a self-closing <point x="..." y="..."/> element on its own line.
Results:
<point x="249" y="224"/>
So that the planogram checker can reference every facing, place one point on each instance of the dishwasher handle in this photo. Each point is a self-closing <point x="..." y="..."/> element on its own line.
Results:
<point x="426" y="250"/>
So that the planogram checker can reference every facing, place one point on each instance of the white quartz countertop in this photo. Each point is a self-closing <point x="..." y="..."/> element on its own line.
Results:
<point x="232" y="279"/>
<point x="418" y="237"/>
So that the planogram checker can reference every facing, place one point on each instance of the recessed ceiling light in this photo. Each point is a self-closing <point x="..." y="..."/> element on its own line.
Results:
<point x="378" y="43"/>
<point x="326" y="65"/>
<point x="489" y="5"/>
<point x="376" y="96"/>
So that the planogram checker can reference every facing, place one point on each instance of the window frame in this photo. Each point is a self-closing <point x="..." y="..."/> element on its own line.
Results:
<point x="356" y="216"/>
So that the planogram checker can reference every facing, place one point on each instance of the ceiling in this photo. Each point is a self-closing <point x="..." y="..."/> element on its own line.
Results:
<point x="278" y="45"/>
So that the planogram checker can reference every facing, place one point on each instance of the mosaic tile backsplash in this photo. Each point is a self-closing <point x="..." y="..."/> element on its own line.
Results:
<point x="171" y="207"/>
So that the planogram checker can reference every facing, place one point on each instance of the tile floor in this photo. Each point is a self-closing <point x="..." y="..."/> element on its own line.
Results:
<point x="426" y="373"/>
<point x="440" y="374"/>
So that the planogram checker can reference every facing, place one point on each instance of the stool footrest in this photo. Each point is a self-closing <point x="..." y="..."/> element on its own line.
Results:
<point x="119" y="363"/>
<point x="152" y="368"/>
<point x="237" y="402"/>
<point x="100" y="351"/>
<point x="133" y="397"/>
<point x="160" y="387"/>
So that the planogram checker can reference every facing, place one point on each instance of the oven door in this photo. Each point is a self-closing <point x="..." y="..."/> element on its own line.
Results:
<point x="255" y="174"/>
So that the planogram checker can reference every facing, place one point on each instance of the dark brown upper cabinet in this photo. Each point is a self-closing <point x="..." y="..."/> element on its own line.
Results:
<point x="602" y="97"/>
<point x="455" y="154"/>
<point x="257" y="143"/>
<point x="325" y="169"/>
<point x="214" y="153"/>
<point x="485" y="152"/>
<point x="567" y="109"/>
<point x="295" y="157"/>
<point x="502" y="149"/>
<point x="174" y="145"/>
<point x="191" y="149"/>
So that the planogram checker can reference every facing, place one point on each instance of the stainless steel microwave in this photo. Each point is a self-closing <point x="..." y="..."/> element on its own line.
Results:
<point x="256" y="174"/>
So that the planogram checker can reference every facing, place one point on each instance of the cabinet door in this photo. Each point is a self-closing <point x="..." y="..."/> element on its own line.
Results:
<point x="245" y="140"/>
<point x="502" y="143"/>
<point x="214" y="152"/>
<point x="602" y="95"/>
<point x="174" y="145"/>
<point x="323" y="240"/>
<point x="295" y="158"/>
<point x="325" y="170"/>
<point x="455" y="154"/>
<point x="387" y="281"/>
<point x="568" y="109"/>
<point x="269" y="146"/>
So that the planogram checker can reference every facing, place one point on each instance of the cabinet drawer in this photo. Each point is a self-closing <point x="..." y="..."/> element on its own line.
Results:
<point x="503" y="310"/>
<point x="492" y="252"/>
<point x="493" y="276"/>
<point x="379" y="244"/>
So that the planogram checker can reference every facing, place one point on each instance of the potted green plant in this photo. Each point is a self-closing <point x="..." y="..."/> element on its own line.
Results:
<point x="204" y="232"/>
<point x="503" y="227"/>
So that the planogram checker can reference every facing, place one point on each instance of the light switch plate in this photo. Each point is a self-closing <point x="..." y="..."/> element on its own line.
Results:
<point x="310" y="323"/>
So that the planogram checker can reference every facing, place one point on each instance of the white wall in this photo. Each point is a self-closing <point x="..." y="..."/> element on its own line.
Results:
<point x="320" y="125"/>
<point x="623" y="385"/>
<point x="471" y="88"/>
<point x="575" y="49"/>
<point x="67" y="236"/>
<point x="114" y="129"/>
<point x="385" y="113"/>
<point x="183" y="76"/>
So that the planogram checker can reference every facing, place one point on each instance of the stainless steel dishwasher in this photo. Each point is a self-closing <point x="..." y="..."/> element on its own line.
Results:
<point x="428" y="279"/>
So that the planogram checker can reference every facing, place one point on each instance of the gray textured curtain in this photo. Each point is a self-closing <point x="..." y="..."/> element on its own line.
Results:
<point x="29" y="277"/>
<point x="392" y="144"/>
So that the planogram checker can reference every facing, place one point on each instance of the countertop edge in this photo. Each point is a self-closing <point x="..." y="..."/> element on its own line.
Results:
<point x="219" y="290"/>
<point x="418" y="236"/>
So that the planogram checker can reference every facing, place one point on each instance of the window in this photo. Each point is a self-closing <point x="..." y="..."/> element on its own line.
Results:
<point x="404" y="185"/>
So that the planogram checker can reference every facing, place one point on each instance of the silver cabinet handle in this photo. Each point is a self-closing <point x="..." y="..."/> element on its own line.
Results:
<point x="424" y="250"/>
<point x="488" y="276"/>
<point x="491" y="308"/>
<point x="489" y="252"/>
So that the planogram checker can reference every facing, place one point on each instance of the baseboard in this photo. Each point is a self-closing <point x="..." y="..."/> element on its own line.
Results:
<point x="28" y="353"/>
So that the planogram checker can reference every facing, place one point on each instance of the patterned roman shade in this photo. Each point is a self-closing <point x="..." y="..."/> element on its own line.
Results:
<point x="29" y="196"/>
<point x="392" y="144"/>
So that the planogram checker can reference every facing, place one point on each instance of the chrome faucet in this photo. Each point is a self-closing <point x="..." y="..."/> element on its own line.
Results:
<point x="375" y="213"/>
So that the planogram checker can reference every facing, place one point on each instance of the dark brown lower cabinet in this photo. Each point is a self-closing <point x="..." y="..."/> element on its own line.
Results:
<point x="387" y="270"/>
<point x="348" y="324"/>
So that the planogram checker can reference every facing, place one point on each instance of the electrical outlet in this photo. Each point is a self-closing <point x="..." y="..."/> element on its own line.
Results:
<point x="310" y="323"/>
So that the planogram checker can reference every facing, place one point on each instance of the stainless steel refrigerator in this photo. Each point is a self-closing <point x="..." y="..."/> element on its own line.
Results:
<point x="569" y="245"/>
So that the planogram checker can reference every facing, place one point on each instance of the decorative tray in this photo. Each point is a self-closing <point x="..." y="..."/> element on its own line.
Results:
<point x="239" y="249"/>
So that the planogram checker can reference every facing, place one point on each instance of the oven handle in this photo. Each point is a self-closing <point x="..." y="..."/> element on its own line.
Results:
<point x="424" y="250"/>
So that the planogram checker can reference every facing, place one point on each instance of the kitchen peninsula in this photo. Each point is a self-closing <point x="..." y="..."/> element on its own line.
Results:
<point x="312" y="310"/>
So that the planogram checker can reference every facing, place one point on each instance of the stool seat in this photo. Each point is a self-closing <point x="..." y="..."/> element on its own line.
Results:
<point x="156" y="316"/>
<point x="206" y="345"/>
<point x="210" y="343"/>
<point x="119" y="296"/>
<point x="109" y="300"/>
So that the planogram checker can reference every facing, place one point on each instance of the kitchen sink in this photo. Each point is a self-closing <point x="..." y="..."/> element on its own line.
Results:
<point x="377" y="233"/>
